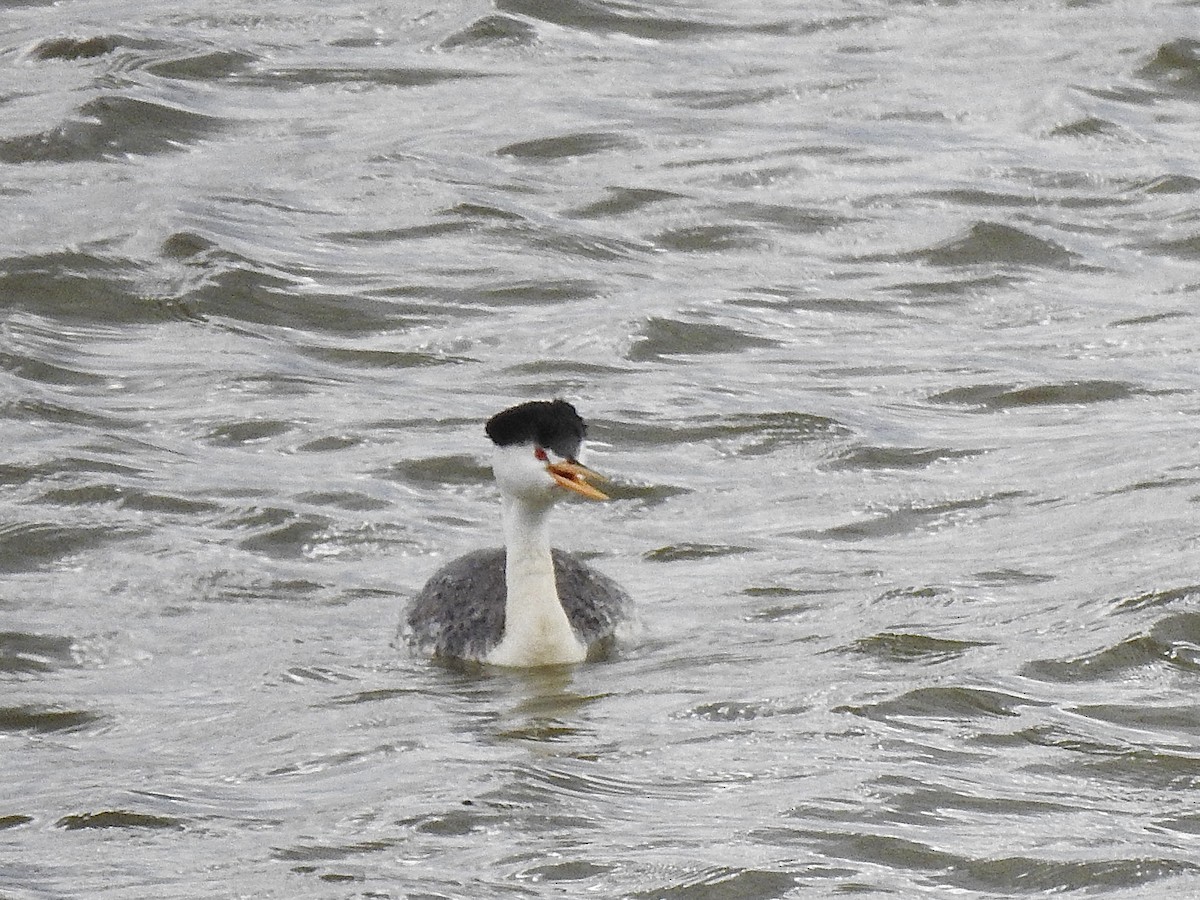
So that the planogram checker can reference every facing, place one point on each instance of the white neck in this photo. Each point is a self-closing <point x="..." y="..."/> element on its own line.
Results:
<point x="536" y="629"/>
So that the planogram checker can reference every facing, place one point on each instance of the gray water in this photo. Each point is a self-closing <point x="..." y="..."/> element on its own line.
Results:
<point x="884" y="318"/>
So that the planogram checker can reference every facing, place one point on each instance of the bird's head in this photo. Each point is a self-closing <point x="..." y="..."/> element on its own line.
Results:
<point x="537" y="445"/>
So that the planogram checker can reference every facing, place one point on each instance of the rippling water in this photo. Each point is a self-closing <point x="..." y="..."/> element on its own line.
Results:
<point x="884" y="316"/>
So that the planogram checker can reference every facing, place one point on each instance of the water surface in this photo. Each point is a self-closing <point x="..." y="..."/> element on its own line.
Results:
<point x="882" y="314"/>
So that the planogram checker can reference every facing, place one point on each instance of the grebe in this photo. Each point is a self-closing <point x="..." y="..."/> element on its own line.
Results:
<point x="524" y="605"/>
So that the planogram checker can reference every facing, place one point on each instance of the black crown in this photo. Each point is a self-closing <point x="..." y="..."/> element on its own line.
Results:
<point x="551" y="424"/>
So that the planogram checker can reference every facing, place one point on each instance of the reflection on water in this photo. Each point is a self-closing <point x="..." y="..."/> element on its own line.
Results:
<point x="881" y="315"/>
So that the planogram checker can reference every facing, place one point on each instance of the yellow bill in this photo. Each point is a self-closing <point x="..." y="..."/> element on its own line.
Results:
<point x="574" y="477"/>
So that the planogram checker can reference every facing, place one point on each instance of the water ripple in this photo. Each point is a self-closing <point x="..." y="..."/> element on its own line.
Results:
<point x="300" y="77"/>
<point x="118" y="818"/>
<point x="111" y="126"/>
<point x="24" y="653"/>
<point x="1176" y="66"/>
<point x="1000" y="397"/>
<point x="28" y="546"/>
<point x="1026" y="874"/>
<point x="1174" y="640"/>
<point x="664" y="338"/>
<point x="599" y="16"/>
<point x="996" y="243"/>
<point x="890" y="349"/>
<point x="955" y="703"/>
<point x="567" y="146"/>
<point x="44" y="720"/>
<point x="914" y="647"/>
<point x="490" y="31"/>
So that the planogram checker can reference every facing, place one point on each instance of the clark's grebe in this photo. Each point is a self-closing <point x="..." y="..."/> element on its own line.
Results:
<point x="524" y="605"/>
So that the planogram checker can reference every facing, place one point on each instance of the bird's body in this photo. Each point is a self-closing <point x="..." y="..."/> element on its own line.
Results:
<point x="460" y="611"/>
<point x="524" y="605"/>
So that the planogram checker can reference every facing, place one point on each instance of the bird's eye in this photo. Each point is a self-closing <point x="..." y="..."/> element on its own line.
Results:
<point x="540" y="454"/>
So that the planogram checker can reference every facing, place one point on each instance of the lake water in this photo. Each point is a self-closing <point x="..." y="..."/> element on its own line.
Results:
<point x="884" y="317"/>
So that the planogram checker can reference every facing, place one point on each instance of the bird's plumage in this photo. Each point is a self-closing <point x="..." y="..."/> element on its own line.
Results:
<point x="550" y="424"/>
<point x="526" y="604"/>
<point x="460" y="611"/>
